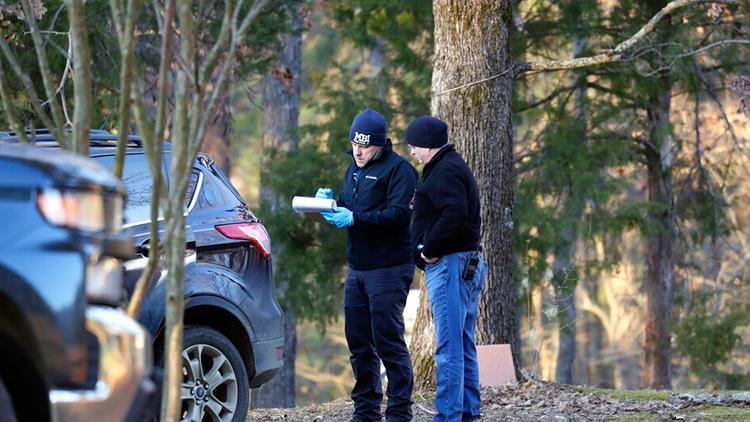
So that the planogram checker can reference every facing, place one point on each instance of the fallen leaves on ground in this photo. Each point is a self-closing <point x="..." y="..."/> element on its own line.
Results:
<point x="528" y="401"/>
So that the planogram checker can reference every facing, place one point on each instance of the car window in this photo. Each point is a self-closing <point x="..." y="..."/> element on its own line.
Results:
<point x="227" y="183"/>
<point x="138" y="182"/>
<point x="192" y="184"/>
<point x="214" y="193"/>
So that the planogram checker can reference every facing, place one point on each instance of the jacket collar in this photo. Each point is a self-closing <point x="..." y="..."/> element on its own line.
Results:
<point x="445" y="149"/>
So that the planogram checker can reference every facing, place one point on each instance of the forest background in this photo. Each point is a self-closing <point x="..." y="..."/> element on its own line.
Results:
<point x="581" y="193"/>
<point x="586" y="222"/>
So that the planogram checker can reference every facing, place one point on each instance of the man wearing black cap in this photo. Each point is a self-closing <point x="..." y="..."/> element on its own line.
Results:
<point x="445" y="235"/>
<point x="374" y="206"/>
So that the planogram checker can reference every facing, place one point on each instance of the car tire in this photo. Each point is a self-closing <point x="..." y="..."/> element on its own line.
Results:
<point x="215" y="383"/>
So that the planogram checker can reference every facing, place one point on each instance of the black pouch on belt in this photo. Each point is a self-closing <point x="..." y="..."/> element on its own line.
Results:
<point x="471" y="265"/>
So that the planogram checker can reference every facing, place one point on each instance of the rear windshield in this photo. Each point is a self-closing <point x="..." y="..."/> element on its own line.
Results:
<point x="226" y="182"/>
<point x="215" y="193"/>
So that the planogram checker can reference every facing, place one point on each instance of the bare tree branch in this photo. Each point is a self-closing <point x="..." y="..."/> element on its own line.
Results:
<point x="616" y="54"/>
<point x="741" y="85"/>
<point x="699" y="155"/>
<point x="153" y="139"/>
<point x="238" y="34"/>
<point x="712" y="45"/>
<point x="81" y="76"/>
<point x="221" y="44"/>
<point x="46" y="74"/>
<point x="125" y="23"/>
<point x="554" y="94"/>
<point x="30" y="91"/>
<point x="692" y="53"/>
<point x="606" y="56"/>
<point x="68" y="54"/>
<point x="728" y="123"/>
<point x="10" y="111"/>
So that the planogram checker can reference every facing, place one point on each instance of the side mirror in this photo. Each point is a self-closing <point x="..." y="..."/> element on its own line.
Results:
<point x="119" y="246"/>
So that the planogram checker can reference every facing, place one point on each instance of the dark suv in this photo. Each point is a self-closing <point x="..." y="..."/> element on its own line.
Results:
<point x="68" y="352"/>
<point x="233" y="324"/>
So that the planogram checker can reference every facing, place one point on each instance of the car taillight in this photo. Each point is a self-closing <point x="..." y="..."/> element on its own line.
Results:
<point x="253" y="232"/>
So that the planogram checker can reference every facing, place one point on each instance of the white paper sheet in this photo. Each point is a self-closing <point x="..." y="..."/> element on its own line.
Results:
<point x="307" y="204"/>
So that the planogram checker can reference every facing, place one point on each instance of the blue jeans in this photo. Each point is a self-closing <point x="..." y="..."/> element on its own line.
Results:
<point x="454" y="309"/>
<point x="374" y="303"/>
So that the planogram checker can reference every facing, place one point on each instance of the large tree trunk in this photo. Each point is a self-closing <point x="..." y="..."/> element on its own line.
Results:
<point x="280" y="91"/>
<point x="471" y="43"/>
<point x="659" y="254"/>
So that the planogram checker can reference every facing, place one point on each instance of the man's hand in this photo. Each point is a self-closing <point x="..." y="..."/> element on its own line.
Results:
<point x="324" y="193"/>
<point x="429" y="260"/>
<point x="342" y="217"/>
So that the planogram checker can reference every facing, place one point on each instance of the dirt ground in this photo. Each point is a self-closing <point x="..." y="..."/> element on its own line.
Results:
<point x="536" y="401"/>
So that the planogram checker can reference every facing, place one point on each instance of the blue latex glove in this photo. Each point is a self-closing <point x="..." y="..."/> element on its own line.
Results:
<point x="324" y="193"/>
<point x="342" y="217"/>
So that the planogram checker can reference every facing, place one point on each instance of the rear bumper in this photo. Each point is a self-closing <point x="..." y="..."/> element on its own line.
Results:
<point x="123" y="388"/>
<point x="267" y="360"/>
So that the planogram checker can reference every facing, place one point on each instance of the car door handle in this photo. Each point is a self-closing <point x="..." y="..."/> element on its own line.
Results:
<point x="144" y="248"/>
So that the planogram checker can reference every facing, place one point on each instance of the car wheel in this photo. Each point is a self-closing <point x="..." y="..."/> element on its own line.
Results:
<point x="215" y="385"/>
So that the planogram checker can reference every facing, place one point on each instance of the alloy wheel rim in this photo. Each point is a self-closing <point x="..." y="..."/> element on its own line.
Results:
<point x="209" y="385"/>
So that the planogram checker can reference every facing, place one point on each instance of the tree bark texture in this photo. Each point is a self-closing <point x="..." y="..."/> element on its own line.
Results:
<point x="280" y="119"/>
<point x="472" y="43"/>
<point x="659" y="245"/>
<point x="422" y="346"/>
<point x="81" y="76"/>
<point x="175" y="236"/>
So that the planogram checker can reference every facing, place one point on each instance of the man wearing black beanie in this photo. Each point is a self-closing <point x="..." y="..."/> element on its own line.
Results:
<point x="445" y="236"/>
<point x="374" y="205"/>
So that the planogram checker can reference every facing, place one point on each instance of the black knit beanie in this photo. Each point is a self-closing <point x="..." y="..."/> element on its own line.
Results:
<point x="427" y="132"/>
<point x="368" y="128"/>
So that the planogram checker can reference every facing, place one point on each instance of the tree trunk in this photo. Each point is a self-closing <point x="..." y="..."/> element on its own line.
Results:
<point x="422" y="345"/>
<point x="659" y="254"/>
<point x="175" y="218"/>
<point x="471" y="43"/>
<point x="81" y="76"/>
<point x="280" y="91"/>
<point x="583" y="357"/>
<point x="566" y="319"/>
<point x="659" y="248"/>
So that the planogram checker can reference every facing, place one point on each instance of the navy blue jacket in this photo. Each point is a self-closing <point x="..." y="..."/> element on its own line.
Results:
<point x="380" y="197"/>
<point x="446" y="208"/>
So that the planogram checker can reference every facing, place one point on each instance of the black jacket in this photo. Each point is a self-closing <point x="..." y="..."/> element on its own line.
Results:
<point x="380" y="199"/>
<point x="446" y="208"/>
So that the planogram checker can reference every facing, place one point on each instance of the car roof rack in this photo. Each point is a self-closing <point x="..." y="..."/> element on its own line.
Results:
<point x="97" y="137"/>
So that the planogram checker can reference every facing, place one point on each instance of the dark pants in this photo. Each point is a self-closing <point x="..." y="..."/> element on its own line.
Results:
<point x="374" y="323"/>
